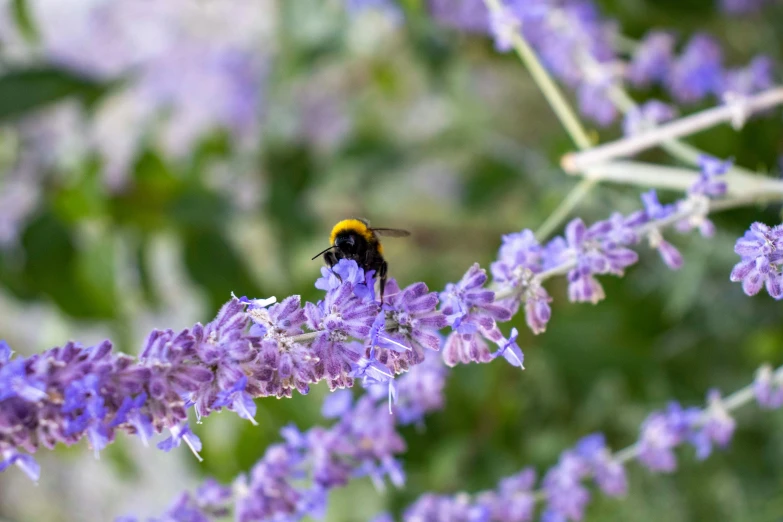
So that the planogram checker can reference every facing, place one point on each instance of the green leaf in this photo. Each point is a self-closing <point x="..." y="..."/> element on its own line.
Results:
<point x="24" y="21"/>
<point x="23" y="90"/>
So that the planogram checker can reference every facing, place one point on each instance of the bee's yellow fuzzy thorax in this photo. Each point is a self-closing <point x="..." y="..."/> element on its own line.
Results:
<point x="350" y="225"/>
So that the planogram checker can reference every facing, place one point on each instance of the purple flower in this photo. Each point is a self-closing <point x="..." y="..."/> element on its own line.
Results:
<point x="338" y="318"/>
<point x="185" y="509"/>
<point x="761" y="250"/>
<point x="594" y="102"/>
<point x="742" y="6"/>
<point x="519" y="259"/>
<point x="647" y="116"/>
<point x="537" y="309"/>
<point x="601" y="247"/>
<point x="15" y="382"/>
<point x="373" y="372"/>
<point x="594" y="252"/>
<point x="510" y="351"/>
<point x="238" y="400"/>
<point x="717" y="427"/>
<point x="5" y="352"/>
<point x="608" y="473"/>
<point x="268" y="493"/>
<point x="768" y="388"/>
<point x="337" y="403"/>
<point x="12" y="457"/>
<point x="348" y="271"/>
<point x="513" y="501"/>
<point x="407" y="326"/>
<point x="420" y="391"/>
<point x="565" y="495"/>
<point x="87" y="409"/>
<point x="711" y="181"/>
<point x="503" y="25"/>
<point x="652" y="59"/>
<point x="698" y="71"/>
<point x="653" y="208"/>
<point x="130" y="414"/>
<point x="180" y="433"/>
<point x="745" y="81"/>
<point x="435" y="508"/>
<point x="471" y="312"/>
<point x="467" y="15"/>
<point x="214" y="497"/>
<point x="661" y="432"/>
<point x="518" y="252"/>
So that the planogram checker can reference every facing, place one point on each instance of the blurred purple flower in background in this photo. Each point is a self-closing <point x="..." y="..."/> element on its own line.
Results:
<point x="202" y="66"/>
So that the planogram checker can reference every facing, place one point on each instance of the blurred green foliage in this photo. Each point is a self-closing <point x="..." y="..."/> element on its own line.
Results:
<point x="488" y="168"/>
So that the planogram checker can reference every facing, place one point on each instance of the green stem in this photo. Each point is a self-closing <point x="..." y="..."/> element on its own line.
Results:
<point x="565" y="207"/>
<point x="549" y="89"/>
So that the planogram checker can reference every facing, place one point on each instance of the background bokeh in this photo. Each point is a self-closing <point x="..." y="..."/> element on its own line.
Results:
<point x="156" y="156"/>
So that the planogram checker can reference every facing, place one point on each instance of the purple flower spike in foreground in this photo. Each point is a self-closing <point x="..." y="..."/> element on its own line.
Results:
<point x="407" y="326"/>
<point x="338" y="318"/>
<point x="519" y="260"/>
<point x="348" y="271"/>
<point x="761" y="250"/>
<point x="11" y="457"/>
<point x="596" y="250"/>
<point x="471" y="312"/>
<point x="181" y="434"/>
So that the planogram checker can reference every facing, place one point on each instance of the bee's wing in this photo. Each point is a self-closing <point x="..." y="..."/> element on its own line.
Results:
<point x="391" y="232"/>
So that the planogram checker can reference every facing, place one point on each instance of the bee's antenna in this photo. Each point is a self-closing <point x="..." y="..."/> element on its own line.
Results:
<point x="323" y="252"/>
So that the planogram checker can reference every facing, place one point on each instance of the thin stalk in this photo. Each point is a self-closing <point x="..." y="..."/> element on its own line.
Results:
<point x="676" y="148"/>
<point x="678" y="178"/>
<point x="549" y="88"/>
<point x="569" y="203"/>
<point x="564" y="112"/>
<point x="628" y="146"/>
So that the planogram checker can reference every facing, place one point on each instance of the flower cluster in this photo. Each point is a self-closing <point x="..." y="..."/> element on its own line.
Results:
<point x="523" y="264"/>
<point x="761" y="251"/>
<point x="198" y="65"/>
<point x="563" y="489"/>
<point x="577" y="45"/>
<point x="250" y="350"/>
<point x="293" y="478"/>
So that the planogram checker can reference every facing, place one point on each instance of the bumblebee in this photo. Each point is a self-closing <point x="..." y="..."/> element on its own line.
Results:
<point x="354" y="239"/>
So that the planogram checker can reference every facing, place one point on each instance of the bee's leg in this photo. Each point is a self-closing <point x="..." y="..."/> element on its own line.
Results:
<point x="331" y="259"/>
<point x="382" y="277"/>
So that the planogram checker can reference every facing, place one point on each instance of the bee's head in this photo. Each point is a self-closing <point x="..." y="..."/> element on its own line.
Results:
<point x="346" y="242"/>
